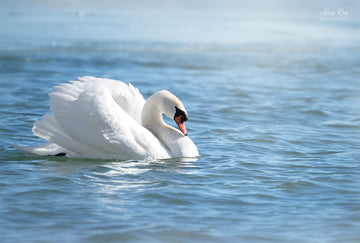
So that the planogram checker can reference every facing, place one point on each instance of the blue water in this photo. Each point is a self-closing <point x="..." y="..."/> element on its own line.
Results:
<point x="274" y="108"/>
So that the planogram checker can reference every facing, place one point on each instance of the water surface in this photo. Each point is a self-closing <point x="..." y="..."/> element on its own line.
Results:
<point x="274" y="111"/>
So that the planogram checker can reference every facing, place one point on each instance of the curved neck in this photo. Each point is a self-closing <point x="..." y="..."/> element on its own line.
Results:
<point x="151" y="115"/>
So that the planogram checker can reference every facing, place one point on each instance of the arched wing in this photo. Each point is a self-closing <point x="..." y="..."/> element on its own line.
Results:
<point x="125" y="95"/>
<point x="98" y="121"/>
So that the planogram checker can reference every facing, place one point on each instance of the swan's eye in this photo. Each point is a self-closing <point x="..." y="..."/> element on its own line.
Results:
<point x="181" y="113"/>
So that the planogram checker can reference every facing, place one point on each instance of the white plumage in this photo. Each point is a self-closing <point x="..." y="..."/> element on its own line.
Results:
<point x="104" y="118"/>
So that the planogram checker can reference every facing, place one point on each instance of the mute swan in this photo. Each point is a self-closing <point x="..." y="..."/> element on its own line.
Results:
<point x="108" y="119"/>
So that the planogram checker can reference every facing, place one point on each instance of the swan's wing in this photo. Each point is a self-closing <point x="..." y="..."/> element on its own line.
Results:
<point x="49" y="129"/>
<point x="89" y="122"/>
<point x="125" y="95"/>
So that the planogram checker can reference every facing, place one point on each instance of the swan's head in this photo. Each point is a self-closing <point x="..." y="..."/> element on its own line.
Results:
<point x="174" y="108"/>
<point x="164" y="102"/>
<point x="180" y="118"/>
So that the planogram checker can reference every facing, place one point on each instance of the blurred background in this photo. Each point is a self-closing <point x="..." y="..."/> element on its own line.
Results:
<point x="181" y="21"/>
<point x="272" y="90"/>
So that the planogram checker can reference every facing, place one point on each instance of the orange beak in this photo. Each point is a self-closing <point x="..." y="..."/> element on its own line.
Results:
<point x="180" y="122"/>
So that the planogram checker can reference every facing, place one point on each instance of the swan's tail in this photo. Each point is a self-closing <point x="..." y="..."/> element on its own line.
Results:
<point x="43" y="149"/>
<point x="48" y="129"/>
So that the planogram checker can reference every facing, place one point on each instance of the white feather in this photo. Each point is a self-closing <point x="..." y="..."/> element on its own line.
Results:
<point x="98" y="118"/>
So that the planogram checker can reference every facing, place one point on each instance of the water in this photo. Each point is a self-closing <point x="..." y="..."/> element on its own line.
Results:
<point x="274" y="111"/>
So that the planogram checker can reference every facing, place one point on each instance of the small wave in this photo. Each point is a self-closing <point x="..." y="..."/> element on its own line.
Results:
<point x="259" y="140"/>
<point x="315" y="112"/>
<point x="197" y="67"/>
<point x="151" y="64"/>
<point x="342" y="124"/>
<point x="40" y="192"/>
<point x="295" y="153"/>
<point x="295" y="185"/>
<point x="326" y="152"/>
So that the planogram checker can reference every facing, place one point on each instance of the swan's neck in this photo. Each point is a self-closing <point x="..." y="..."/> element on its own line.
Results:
<point x="151" y="116"/>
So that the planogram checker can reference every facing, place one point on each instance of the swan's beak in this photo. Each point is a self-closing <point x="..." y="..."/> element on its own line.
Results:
<point x="180" y="122"/>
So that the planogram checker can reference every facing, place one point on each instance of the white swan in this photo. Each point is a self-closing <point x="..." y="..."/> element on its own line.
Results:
<point x="108" y="119"/>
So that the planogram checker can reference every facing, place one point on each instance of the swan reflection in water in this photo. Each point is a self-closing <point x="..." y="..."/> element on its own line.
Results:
<point x="67" y="166"/>
<point x="112" y="177"/>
